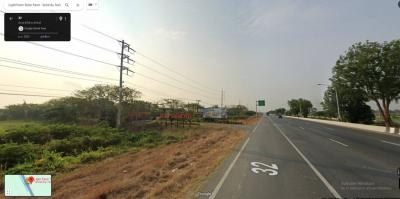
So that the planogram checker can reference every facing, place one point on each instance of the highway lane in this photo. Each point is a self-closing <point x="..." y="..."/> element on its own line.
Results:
<point x="355" y="162"/>
<point x="309" y="160"/>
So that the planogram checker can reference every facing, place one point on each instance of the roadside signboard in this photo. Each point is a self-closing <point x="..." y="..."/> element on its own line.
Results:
<point x="215" y="113"/>
<point x="261" y="103"/>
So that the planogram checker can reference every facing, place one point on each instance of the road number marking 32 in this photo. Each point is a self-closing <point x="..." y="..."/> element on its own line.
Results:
<point x="258" y="167"/>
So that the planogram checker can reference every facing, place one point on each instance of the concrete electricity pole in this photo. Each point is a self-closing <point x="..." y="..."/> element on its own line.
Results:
<point x="256" y="108"/>
<point x="301" y="111"/>
<point x="122" y="69"/>
<point x="222" y="98"/>
<point x="337" y="101"/>
<point x="198" y="104"/>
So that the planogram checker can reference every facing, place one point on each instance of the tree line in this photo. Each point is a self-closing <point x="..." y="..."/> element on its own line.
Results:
<point x="366" y="72"/>
<point x="98" y="104"/>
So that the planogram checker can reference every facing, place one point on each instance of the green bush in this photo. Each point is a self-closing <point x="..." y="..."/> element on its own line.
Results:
<point x="144" y="137"/>
<point x="50" y="161"/>
<point x="35" y="133"/>
<point x="61" y="131"/>
<point x="22" y="169"/>
<point x="100" y="154"/>
<point x="77" y="145"/>
<point x="12" y="154"/>
<point x="57" y="147"/>
<point x="65" y="147"/>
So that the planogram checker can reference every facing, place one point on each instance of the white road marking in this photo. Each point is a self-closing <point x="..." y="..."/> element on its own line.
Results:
<point x="338" y="142"/>
<point x="331" y="129"/>
<point x="302" y="127"/>
<point x="221" y="182"/>
<point x="390" y="143"/>
<point x="272" y="169"/>
<point x="320" y="176"/>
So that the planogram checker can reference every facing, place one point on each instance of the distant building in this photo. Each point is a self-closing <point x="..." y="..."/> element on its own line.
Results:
<point x="215" y="113"/>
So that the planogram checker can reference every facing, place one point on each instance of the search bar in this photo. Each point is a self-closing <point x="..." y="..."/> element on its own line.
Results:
<point x="43" y="5"/>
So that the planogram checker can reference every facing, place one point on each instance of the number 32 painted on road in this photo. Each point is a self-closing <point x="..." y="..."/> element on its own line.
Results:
<point x="272" y="169"/>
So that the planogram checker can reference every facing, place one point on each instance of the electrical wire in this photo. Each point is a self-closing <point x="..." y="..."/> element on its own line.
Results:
<point x="173" y="71"/>
<point x="52" y="68"/>
<point x="29" y="95"/>
<point x="31" y="87"/>
<point x="59" y="75"/>
<point x="166" y="83"/>
<point x="151" y="59"/>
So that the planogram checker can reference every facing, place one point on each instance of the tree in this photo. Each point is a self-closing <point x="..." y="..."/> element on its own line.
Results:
<point x="64" y="110"/>
<point x="280" y="111"/>
<point x="238" y="111"/>
<point x="173" y="105"/>
<point x="23" y="112"/>
<point x="351" y="103"/>
<point x="110" y="93"/>
<point x="329" y="104"/>
<point x="374" y="69"/>
<point x="101" y="101"/>
<point x="193" y="107"/>
<point x="294" y="107"/>
<point x="300" y="106"/>
<point x="305" y="107"/>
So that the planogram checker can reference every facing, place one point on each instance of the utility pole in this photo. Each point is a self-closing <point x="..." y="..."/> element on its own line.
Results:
<point x="222" y="98"/>
<point x="301" y="112"/>
<point x="198" y="104"/>
<point x="337" y="105"/>
<point x="122" y="68"/>
<point x="256" y="108"/>
<point x="225" y="97"/>
<point x="337" y="100"/>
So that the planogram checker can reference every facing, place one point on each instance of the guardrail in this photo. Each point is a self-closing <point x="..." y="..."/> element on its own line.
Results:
<point x="380" y="129"/>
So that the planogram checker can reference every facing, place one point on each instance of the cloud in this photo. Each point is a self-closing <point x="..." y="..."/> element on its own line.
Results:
<point x="258" y="16"/>
<point x="171" y="34"/>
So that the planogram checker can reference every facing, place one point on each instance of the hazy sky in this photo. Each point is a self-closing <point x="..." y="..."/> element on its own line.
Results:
<point x="273" y="50"/>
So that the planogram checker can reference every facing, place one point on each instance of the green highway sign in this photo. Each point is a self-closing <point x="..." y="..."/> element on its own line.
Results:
<point x="261" y="103"/>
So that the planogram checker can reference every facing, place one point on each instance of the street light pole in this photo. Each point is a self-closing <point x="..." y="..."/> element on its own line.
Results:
<point x="337" y="104"/>
<point x="256" y="108"/>
<point x="337" y="101"/>
<point x="301" y="111"/>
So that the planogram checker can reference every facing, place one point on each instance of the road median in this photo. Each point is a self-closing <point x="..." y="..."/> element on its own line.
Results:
<point x="371" y="128"/>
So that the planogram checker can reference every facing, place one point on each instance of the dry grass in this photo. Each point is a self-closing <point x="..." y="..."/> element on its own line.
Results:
<point x="165" y="172"/>
<point x="250" y="121"/>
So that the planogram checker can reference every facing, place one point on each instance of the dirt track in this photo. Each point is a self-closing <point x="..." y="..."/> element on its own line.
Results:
<point x="171" y="171"/>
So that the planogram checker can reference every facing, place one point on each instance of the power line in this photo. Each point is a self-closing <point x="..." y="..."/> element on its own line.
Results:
<point x="73" y="54"/>
<point x="94" y="45"/>
<point x="39" y="88"/>
<point x="91" y="59"/>
<point x="159" y="93"/>
<point x="162" y="82"/>
<point x="52" y="68"/>
<point x="151" y="59"/>
<point x="104" y="34"/>
<point x="59" y="75"/>
<point x="184" y="83"/>
<point x="28" y="95"/>
<point x="69" y="53"/>
<point x="30" y="92"/>
<point x="171" y="70"/>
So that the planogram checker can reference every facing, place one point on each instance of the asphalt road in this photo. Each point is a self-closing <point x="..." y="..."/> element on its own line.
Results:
<point x="290" y="158"/>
